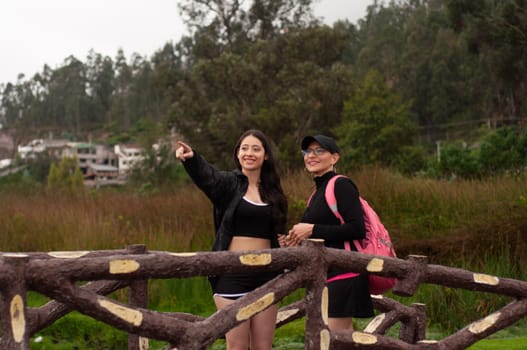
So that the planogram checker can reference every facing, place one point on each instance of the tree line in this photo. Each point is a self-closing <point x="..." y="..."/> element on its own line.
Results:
<point x="407" y="75"/>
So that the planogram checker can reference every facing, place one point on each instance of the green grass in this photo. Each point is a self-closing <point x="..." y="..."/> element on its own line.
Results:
<point x="500" y="344"/>
<point x="80" y="332"/>
<point x="76" y="331"/>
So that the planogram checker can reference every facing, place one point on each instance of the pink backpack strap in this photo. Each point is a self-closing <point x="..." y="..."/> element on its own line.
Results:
<point x="331" y="199"/>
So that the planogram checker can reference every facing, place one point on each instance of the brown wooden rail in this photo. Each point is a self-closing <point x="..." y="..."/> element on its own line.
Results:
<point x="57" y="276"/>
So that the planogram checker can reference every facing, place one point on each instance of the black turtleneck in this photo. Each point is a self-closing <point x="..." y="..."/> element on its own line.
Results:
<point x="327" y="226"/>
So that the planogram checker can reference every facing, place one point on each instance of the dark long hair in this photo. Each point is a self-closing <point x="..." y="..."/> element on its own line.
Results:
<point x="270" y="187"/>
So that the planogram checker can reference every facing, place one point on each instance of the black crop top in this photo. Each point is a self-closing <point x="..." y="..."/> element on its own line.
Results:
<point x="253" y="220"/>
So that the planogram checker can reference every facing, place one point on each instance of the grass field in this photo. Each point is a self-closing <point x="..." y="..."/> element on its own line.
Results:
<point x="501" y="344"/>
<point x="475" y="225"/>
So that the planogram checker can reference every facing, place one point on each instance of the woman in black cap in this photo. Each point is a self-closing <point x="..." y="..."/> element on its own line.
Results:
<point x="250" y="211"/>
<point x="348" y="296"/>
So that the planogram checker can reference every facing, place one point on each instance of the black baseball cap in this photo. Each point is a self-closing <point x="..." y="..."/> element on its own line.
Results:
<point x="326" y="142"/>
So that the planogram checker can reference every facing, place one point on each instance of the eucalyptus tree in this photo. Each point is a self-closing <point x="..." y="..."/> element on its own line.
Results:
<point x="12" y="112"/>
<point x="304" y="85"/>
<point x="230" y="25"/>
<point x="382" y="39"/>
<point x="23" y="107"/>
<point x="245" y="60"/>
<point x="377" y="124"/>
<point x="100" y="77"/>
<point x="119" y="114"/>
<point x="30" y="109"/>
<point x="435" y="70"/>
<point x="497" y="30"/>
<point x="67" y="94"/>
<point x="10" y="105"/>
<point x="141" y="95"/>
<point x="139" y="90"/>
<point x="285" y="86"/>
<point x="419" y="55"/>
<point x="168" y="70"/>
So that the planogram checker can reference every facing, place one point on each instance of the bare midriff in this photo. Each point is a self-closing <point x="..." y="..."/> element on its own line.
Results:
<point x="249" y="243"/>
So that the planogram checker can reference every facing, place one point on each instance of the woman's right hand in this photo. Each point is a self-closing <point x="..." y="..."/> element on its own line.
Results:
<point x="183" y="151"/>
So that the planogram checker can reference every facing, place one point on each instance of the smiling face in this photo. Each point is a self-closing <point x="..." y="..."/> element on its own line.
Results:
<point x="251" y="154"/>
<point x="317" y="160"/>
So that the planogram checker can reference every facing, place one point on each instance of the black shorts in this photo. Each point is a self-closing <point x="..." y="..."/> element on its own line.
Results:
<point x="350" y="298"/>
<point x="235" y="285"/>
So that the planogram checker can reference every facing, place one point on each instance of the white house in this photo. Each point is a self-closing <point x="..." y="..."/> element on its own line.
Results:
<point x="128" y="155"/>
<point x="4" y="163"/>
<point x="54" y="148"/>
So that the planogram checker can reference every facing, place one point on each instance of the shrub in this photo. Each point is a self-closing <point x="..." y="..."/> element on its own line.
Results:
<point x="501" y="150"/>
<point x="458" y="160"/>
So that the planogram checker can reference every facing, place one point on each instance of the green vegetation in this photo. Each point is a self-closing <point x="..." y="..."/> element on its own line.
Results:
<point x="66" y="176"/>
<point x="456" y="223"/>
<point x="407" y="77"/>
<point x="376" y="126"/>
<point x="499" y="344"/>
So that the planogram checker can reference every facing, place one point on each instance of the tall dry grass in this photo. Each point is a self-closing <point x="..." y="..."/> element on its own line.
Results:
<point x="424" y="216"/>
<point x="177" y="220"/>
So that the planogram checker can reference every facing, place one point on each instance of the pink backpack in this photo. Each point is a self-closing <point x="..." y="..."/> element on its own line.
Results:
<point x="376" y="242"/>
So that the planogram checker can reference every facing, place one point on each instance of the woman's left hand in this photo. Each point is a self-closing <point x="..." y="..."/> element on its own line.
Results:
<point x="282" y="240"/>
<point x="299" y="232"/>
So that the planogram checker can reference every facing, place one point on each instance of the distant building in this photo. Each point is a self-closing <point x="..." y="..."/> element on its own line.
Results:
<point x="98" y="175"/>
<point x="101" y="172"/>
<point x="4" y="163"/>
<point x="128" y="155"/>
<point x="89" y="153"/>
<point x="53" y="148"/>
<point x="96" y="162"/>
<point x="86" y="153"/>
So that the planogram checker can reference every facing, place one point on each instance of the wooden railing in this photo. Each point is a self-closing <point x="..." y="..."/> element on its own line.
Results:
<point x="81" y="280"/>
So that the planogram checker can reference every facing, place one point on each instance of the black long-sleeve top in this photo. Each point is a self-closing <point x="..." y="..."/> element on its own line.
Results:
<point x="225" y="190"/>
<point x="327" y="225"/>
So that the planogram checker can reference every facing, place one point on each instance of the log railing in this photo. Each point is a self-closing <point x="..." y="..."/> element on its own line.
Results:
<point x="81" y="280"/>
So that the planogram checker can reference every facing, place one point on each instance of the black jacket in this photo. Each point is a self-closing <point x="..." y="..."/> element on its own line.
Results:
<point x="225" y="189"/>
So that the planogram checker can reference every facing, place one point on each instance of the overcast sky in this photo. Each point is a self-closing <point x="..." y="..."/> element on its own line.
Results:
<point x="38" y="32"/>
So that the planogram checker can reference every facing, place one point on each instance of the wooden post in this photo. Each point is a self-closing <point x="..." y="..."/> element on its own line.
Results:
<point x="138" y="296"/>
<point x="409" y="284"/>
<point x="414" y="329"/>
<point x="317" y="332"/>
<point x="15" y="335"/>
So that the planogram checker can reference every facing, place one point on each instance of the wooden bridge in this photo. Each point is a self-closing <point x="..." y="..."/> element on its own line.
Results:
<point x="80" y="280"/>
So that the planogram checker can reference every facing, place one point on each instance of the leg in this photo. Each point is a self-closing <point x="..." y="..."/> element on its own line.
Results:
<point x="262" y="329"/>
<point x="238" y="337"/>
<point x="340" y="323"/>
